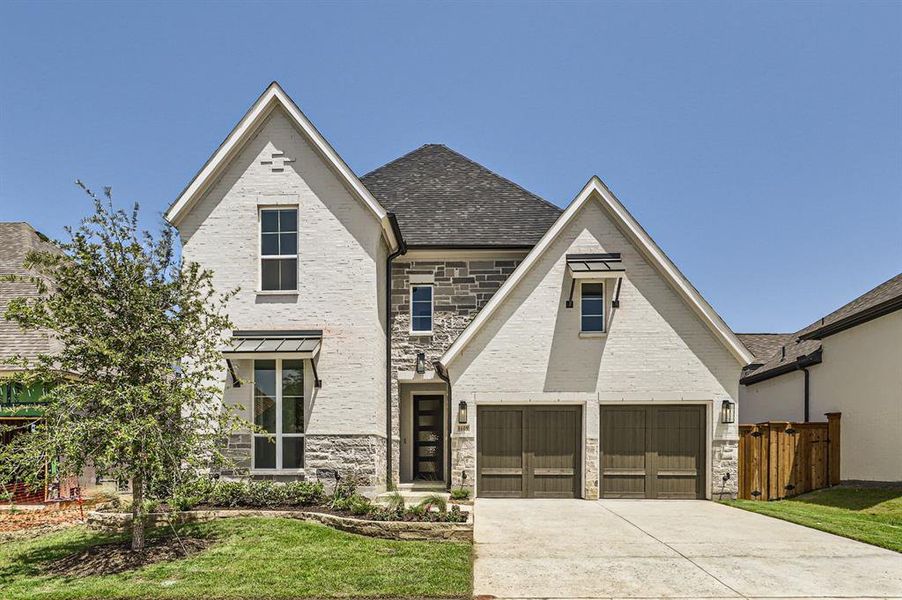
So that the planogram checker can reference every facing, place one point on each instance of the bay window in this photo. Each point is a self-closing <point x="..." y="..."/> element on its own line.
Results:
<point x="279" y="412"/>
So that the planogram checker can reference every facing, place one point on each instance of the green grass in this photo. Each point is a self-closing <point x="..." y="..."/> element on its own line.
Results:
<point x="251" y="558"/>
<point x="871" y="515"/>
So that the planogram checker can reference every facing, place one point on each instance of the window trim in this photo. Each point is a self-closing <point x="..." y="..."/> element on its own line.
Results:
<point x="604" y="312"/>
<point x="278" y="433"/>
<point x="261" y="257"/>
<point x="431" y="309"/>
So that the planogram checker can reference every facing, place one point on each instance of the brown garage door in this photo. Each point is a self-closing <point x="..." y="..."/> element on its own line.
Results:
<point x="528" y="451"/>
<point x="652" y="451"/>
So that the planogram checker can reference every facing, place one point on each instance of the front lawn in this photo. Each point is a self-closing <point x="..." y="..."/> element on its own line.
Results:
<point x="243" y="558"/>
<point x="871" y="515"/>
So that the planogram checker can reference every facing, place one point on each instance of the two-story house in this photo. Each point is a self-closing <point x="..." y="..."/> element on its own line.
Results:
<point x="432" y="324"/>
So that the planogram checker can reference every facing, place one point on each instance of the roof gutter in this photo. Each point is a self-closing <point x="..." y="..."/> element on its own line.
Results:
<point x="402" y="249"/>
<point x="879" y="310"/>
<point x="800" y="363"/>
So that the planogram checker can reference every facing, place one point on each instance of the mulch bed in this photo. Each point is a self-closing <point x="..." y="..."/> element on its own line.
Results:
<point x="31" y="519"/>
<point x="109" y="559"/>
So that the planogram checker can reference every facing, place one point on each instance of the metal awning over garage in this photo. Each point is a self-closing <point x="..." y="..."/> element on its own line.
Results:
<point x="285" y="344"/>
<point x="593" y="266"/>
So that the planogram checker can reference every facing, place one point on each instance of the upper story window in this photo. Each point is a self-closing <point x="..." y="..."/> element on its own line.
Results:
<point x="279" y="412"/>
<point x="592" y="307"/>
<point x="279" y="249"/>
<point x="421" y="309"/>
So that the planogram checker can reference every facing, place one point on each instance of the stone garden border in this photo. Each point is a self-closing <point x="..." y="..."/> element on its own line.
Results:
<point x="390" y="530"/>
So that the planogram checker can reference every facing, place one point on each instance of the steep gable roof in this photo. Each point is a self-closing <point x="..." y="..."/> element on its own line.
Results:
<point x="596" y="190"/>
<point x="274" y="96"/>
<point x="443" y="199"/>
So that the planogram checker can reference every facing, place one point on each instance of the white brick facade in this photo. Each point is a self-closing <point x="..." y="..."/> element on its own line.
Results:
<point x="656" y="349"/>
<point x="341" y="275"/>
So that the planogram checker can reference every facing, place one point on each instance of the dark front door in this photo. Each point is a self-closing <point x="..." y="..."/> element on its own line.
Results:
<point x="428" y="418"/>
<point x="529" y="451"/>
<point x="653" y="451"/>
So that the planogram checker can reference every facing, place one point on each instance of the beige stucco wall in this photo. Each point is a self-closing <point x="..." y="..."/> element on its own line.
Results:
<point x="341" y="275"/>
<point x="656" y="349"/>
<point x="777" y="399"/>
<point x="861" y="377"/>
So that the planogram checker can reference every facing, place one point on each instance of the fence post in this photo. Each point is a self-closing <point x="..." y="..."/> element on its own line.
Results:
<point x="834" y="448"/>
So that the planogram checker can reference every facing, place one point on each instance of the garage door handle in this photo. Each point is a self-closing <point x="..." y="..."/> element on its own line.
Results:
<point x="568" y="472"/>
<point x="488" y="471"/>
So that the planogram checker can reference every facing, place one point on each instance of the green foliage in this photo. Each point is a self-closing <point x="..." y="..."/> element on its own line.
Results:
<point x="395" y="502"/>
<point x="460" y="494"/>
<point x="436" y="501"/>
<point x="254" y="494"/>
<point x="135" y="388"/>
<point x="250" y="558"/>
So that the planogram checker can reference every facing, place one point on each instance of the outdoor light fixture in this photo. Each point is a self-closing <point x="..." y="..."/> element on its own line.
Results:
<point x="462" y="413"/>
<point x="728" y="411"/>
<point x="421" y="362"/>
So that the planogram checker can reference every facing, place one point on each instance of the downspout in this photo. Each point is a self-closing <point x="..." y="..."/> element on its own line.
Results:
<point x="402" y="249"/>
<point x="443" y="374"/>
<point x="804" y="370"/>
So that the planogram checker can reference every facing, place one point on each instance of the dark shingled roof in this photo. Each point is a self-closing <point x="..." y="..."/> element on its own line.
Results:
<point x="763" y="345"/>
<point x="443" y="199"/>
<point x="16" y="240"/>
<point x="805" y="343"/>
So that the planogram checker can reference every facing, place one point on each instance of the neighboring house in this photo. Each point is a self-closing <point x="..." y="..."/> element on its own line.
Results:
<point x="432" y="324"/>
<point x="849" y="361"/>
<point x="20" y="407"/>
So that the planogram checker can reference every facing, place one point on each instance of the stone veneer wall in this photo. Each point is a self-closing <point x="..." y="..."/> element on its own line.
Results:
<point x="361" y="456"/>
<point x="460" y="289"/>
<point x="725" y="460"/>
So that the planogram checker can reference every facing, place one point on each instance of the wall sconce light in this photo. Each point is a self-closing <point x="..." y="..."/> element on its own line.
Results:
<point x="421" y="362"/>
<point x="728" y="411"/>
<point x="462" y="413"/>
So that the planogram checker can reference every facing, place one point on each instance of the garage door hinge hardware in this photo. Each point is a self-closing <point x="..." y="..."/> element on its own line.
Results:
<point x="791" y="431"/>
<point x="756" y="493"/>
<point x="757" y="434"/>
<point x="790" y="486"/>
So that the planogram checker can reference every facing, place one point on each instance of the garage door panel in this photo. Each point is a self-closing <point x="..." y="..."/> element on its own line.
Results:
<point x="500" y="435"/>
<point x="553" y="452"/>
<point x="624" y="452"/>
<point x="653" y="451"/>
<point x="528" y="451"/>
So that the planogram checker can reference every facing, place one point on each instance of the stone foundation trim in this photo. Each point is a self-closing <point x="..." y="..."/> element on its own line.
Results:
<point x="389" y="530"/>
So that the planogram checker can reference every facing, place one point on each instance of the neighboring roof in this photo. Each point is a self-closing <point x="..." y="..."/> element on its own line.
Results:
<point x="882" y="300"/>
<point x="764" y="345"/>
<point x="274" y="96"/>
<point x="16" y="240"/>
<point x="803" y="347"/>
<point x="595" y="189"/>
<point x="443" y="199"/>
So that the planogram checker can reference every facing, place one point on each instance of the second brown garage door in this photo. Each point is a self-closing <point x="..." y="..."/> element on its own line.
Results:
<point x="528" y="451"/>
<point x="652" y="451"/>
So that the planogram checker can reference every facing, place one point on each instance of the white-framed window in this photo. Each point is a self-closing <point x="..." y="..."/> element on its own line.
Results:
<point x="279" y="249"/>
<point x="279" y="412"/>
<point x="591" y="307"/>
<point x="421" y="309"/>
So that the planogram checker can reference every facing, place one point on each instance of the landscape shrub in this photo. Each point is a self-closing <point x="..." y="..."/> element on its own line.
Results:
<point x="460" y="494"/>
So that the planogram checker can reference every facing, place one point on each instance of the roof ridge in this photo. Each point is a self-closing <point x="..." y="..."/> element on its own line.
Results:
<point x="501" y="177"/>
<point x="394" y="160"/>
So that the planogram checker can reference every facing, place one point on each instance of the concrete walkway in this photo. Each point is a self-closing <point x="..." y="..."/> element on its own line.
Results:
<point x="667" y="549"/>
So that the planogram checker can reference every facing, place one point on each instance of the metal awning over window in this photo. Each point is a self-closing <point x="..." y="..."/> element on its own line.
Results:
<point x="285" y="344"/>
<point x="594" y="266"/>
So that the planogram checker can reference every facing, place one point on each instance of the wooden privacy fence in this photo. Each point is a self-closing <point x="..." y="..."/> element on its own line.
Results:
<point x="779" y="459"/>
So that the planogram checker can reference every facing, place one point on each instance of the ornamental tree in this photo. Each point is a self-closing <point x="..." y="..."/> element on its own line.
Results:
<point x="132" y="389"/>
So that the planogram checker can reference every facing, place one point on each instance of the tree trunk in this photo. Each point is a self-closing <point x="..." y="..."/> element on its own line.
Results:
<point x="137" y="513"/>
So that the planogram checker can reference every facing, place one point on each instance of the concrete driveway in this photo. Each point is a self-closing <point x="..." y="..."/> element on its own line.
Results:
<point x="666" y="549"/>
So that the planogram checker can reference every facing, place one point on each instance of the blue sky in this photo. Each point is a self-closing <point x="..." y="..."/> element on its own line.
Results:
<point x="759" y="143"/>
